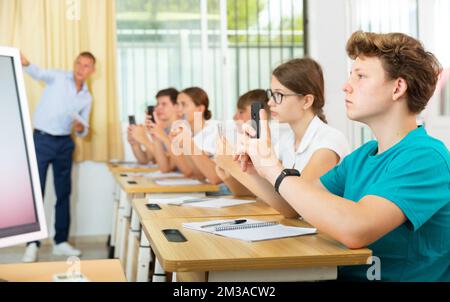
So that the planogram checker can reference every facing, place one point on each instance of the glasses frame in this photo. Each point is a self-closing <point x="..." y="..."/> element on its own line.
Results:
<point x="272" y="95"/>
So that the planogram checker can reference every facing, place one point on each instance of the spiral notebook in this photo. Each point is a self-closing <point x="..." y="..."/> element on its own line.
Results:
<point x="248" y="229"/>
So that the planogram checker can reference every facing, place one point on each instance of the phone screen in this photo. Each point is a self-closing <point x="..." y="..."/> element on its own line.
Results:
<point x="150" y="111"/>
<point x="132" y="120"/>
<point x="256" y="107"/>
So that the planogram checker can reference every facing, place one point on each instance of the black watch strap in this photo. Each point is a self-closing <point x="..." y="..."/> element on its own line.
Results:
<point x="285" y="173"/>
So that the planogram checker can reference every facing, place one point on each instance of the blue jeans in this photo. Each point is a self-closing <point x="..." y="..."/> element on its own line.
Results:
<point x="58" y="151"/>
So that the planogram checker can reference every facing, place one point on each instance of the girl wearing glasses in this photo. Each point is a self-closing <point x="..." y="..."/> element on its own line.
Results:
<point x="297" y="98"/>
<point x="311" y="146"/>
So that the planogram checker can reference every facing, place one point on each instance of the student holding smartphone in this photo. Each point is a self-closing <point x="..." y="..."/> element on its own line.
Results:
<point x="312" y="147"/>
<point x="144" y="149"/>
<point x="194" y="140"/>
<point x="242" y="116"/>
<point x="166" y="113"/>
<point x="391" y="194"/>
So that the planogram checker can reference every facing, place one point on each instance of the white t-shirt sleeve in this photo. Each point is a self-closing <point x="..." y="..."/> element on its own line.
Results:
<point x="335" y="141"/>
<point x="206" y="139"/>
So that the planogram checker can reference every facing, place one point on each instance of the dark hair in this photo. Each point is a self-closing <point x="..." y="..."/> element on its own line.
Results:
<point x="253" y="96"/>
<point x="304" y="76"/>
<point x="402" y="57"/>
<point x="171" y="92"/>
<point x="199" y="97"/>
<point x="89" y="55"/>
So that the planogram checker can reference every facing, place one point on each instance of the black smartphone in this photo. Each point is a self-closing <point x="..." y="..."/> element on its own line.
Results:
<point x="131" y="120"/>
<point x="153" y="206"/>
<point x="174" y="235"/>
<point x="150" y="110"/>
<point x="256" y="107"/>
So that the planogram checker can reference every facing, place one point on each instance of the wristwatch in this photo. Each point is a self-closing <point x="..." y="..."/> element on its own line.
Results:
<point x="285" y="173"/>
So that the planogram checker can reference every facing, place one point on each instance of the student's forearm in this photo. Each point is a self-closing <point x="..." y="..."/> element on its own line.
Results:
<point x="140" y="155"/>
<point x="149" y="151"/>
<point x="195" y="171"/>
<point x="161" y="158"/>
<point x="207" y="168"/>
<point x="258" y="186"/>
<point x="182" y="164"/>
<point x="236" y="187"/>
<point x="342" y="219"/>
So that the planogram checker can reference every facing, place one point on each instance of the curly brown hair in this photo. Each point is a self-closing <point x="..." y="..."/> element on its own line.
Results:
<point x="402" y="57"/>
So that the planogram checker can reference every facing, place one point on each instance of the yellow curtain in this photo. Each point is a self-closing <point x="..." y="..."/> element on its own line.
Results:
<point x="51" y="33"/>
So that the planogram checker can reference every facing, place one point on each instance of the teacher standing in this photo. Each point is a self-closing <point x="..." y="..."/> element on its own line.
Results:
<point x="64" y="109"/>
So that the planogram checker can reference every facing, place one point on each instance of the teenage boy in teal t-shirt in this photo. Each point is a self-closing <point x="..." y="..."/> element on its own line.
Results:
<point x="392" y="194"/>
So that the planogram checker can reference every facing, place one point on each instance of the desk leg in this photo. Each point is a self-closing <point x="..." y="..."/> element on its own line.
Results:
<point x="124" y="226"/>
<point x="160" y="274"/>
<point x="144" y="259"/>
<point x="120" y="221"/>
<point x="276" y="275"/>
<point x="133" y="236"/>
<point x="112" y="238"/>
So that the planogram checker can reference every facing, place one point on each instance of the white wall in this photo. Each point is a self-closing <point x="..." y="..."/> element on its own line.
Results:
<point x="328" y="34"/>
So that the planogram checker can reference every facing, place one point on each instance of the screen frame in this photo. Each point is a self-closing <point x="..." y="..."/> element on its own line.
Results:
<point x="32" y="162"/>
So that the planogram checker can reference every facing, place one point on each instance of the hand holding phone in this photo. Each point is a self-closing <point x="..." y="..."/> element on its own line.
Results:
<point x="256" y="107"/>
<point x="150" y="111"/>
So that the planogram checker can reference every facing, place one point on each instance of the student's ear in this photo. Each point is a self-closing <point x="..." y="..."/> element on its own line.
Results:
<point x="309" y="101"/>
<point x="400" y="88"/>
<point x="201" y="108"/>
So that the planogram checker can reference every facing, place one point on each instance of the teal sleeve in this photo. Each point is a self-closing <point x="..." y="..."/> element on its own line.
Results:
<point x="418" y="182"/>
<point x="334" y="180"/>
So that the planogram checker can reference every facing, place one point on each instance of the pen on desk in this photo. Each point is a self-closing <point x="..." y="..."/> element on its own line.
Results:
<point x="238" y="221"/>
<point x="189" y="201"/>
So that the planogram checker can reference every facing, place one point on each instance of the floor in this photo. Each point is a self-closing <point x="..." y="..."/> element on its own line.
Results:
<point x="92" y="248"/>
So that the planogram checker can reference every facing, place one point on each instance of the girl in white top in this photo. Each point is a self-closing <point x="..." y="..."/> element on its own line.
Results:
<point x="296" y="97"/>
<point x="318" y="136"/>
<point x="197" y="138"/>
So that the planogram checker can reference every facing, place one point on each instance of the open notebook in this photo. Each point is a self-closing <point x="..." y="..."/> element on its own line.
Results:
<point x="178" y="182"/>
<point x="248" y="229"/>
<point x="159" y="174"/>
<point x="200" y="202"/>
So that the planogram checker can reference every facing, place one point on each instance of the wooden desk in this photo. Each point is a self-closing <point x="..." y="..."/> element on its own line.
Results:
<point x="118" y="169"/>
<point x="145" y="185"/>
<point x="127" y="231"/>
<point x="142" y="246"/>
<point x="210" y="257"/>
<point x="94" y="270"/>
<point x="169" y="211"/>
<point x="125" y="167"/>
